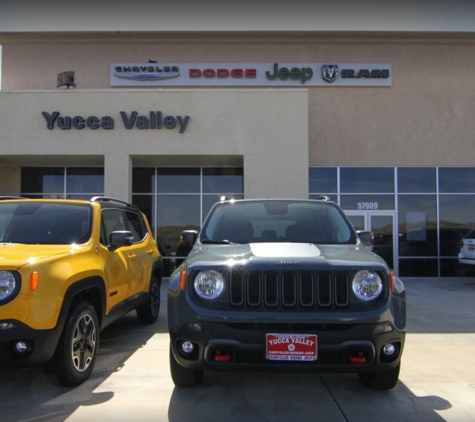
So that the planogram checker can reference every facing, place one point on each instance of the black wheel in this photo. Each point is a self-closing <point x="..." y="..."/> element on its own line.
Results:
<point x="148" y="312"/>
<point x="76" y="353"/>
<point x="383" y="380"/>
<point x="184" y="377"/>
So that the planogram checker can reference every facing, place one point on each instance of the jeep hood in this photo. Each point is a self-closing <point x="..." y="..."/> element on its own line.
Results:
<point x="15" y="255"/>
<point x="304" y="253"/>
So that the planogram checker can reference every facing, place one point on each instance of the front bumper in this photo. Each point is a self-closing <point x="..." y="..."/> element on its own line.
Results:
<point x="41" y="344"/>
<point x="242" y="346"/>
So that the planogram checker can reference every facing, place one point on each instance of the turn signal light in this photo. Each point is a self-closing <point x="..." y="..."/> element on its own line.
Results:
<point x="34" y="278"/>
<point x="183" y="280"/>
<point x="393" y="284"/>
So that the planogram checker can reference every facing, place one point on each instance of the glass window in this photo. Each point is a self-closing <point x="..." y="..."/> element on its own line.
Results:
<point x="450" y="268"/>
<point x="417" y="229"/>
<point x="145" y="204"/>
<point x="41" y="180"/>
<point x="176" y="213"/>
<point x="456" y="219"/>
<point x="322" y="179"/>
<point x="178" y="180"/>
<point x="416" y="179"/>
<point x="418" y="268"/>
<point x="136" y="225"/>
<point x="457" y="180"/>
<point x="367" y="202"/>
<point x="84" y="180"/>
<point x="143" y="180"/>
<point x="367" y="179"/>
<point x="223" y="180"/>
<point x="112" y="220"/>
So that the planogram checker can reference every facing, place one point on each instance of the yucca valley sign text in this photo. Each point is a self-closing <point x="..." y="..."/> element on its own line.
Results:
<point x="130" y="120"/>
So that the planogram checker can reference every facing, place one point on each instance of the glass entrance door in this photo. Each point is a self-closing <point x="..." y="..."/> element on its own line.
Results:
<point x="382" y="224"/>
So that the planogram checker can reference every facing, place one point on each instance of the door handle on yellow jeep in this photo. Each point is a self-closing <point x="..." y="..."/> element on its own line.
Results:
<point x="132" y="256"/>
<point x="149" y="251"/>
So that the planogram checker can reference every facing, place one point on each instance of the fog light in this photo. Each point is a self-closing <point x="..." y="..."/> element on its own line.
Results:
<point x="187" y="347"/>
<point x="389" y="349"/>
<point x="22" y="347"/>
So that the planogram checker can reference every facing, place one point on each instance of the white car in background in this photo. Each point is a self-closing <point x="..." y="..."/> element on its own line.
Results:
<point x="467" y="253"/>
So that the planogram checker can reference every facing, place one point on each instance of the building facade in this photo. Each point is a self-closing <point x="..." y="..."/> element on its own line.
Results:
<point x="382" y="123"/>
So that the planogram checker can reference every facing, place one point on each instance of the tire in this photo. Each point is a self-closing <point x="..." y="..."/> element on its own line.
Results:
<point x="184" y="377"/>
<point x="148" y="312"/>
<point x="383" y="380"/>
<point x="76" y="353"/>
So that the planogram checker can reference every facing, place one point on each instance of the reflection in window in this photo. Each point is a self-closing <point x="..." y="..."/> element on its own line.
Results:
<point x="68" y="182"/>
<point x="222" y="180"/>
<point x="416" y="179"/>
<point x="418" y="267"/>
<point x="457" y="180"/>
<point x="417" y="230"/>
<point x="456" y="219"/>
<point x="84" y="180"/>
<point x="178" y="180"/>
<point x="367" y="179"/>
<point x="322" y="179"/>
<point x="47" y="181"/>
<point x="177" y="199"/>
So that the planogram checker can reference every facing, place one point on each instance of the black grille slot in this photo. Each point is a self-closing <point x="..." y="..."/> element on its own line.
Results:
<point x="289" y="290"/>
<point x="324" y="286"/>
<point x="342" y="294"/>
<point x="305" y="291"/>
<point x="254" y="289"/>
<point x="237" y="290"/>
<point x="271" y="289"/>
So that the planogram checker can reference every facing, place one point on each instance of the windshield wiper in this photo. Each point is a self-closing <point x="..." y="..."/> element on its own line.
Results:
<point x="216" y="242"/>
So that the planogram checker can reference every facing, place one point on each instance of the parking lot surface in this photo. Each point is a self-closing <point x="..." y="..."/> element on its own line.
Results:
<point x="131" y="380"/>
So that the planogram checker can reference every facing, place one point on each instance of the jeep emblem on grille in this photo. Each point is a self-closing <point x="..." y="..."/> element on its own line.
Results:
<point x="282" y="262"/>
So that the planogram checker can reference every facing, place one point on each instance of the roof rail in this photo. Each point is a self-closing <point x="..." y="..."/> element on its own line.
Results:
<point x="107" y="199"/>
<point x="6" y="198"/>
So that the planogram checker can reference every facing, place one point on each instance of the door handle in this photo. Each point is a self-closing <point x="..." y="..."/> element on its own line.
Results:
<point x="132" y="256"/>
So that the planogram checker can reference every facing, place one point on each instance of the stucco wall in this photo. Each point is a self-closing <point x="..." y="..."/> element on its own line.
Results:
<point x="424" y="118"/>
<point x="266" y="130"/>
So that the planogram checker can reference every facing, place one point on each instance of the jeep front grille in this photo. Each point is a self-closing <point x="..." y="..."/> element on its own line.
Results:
<point x="305" y="290"/>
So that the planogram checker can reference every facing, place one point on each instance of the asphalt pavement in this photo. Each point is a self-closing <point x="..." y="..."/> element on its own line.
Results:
<point x="131" y="380"/>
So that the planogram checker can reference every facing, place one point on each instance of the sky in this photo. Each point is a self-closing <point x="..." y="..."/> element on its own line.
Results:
<point x="237" y="15"/>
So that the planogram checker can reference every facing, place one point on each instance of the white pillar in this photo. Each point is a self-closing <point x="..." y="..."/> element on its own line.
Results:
<point x="118" y="176"/>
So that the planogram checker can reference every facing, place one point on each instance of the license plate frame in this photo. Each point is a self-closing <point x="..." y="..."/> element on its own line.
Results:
<point x="291" y="347"/>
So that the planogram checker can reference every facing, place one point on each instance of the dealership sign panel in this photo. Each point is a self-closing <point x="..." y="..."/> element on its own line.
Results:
<point x="250" y="74"/>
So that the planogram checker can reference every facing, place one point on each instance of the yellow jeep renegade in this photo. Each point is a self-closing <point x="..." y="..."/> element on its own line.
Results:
<point x="69" y="268"/>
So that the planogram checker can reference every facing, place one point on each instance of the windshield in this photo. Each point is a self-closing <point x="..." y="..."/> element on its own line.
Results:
<point x="44" y="223"/>
<point x="278" y="221"/>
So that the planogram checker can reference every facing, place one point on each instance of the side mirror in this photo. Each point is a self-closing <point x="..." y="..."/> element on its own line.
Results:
<point x="120" y="238"/>
<point x="188" y="237"/>
<point x="366" y="237"/>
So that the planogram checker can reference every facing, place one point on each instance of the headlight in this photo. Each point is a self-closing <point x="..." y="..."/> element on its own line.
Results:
<point x="209" y="284"/>
<point x="367" y="285"/>
<point x="7" y="285"/>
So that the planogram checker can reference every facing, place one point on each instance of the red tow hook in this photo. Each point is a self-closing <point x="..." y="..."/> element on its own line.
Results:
<point x="359" y="358"/>
<point x="219" y="356"/>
